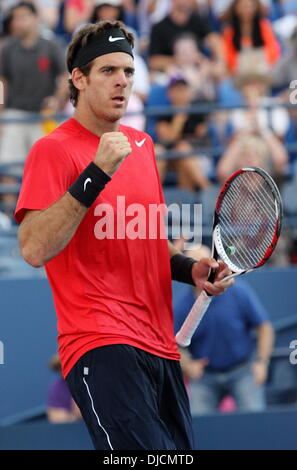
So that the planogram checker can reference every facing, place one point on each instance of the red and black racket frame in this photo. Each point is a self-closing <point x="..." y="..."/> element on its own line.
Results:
<point x="279" y="215"/>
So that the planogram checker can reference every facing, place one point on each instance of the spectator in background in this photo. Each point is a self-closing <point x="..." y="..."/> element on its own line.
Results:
<point x="262" y="149"/>
<point x="112" y="10"/>
<point x="61" y="408"/>
<point x="48" y="11"/>
<point x="253" y="82"/>
<point x="220" y="8"/>
<point x="197" y="69"/>
<point x="109" y="10"/>
<point x="173" y="132"/>
<point x="248" y="30"/>
<point x="76" y="13"/>
<point x="182" y="18"/>
<point x="221" y="359"/>
<point x="33" y="72"/>
<point x="150" y="12"/>
<point x="285" y="70"/>
<point x="290" y="139"/>
<point x="60" y="29"/>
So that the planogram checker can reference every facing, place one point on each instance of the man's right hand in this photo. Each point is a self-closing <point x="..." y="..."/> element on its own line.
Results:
<point x="112" y="149"/>
<point x="194" y="368"/>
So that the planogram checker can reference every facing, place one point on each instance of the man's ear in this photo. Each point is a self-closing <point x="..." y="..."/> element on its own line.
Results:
<point x="78" y="79"/>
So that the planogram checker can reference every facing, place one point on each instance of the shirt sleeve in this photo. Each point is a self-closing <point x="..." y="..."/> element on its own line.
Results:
<point x="48" y="173"/>
<point x="254" y="311"/>
<point x="157" y="44"/>
<point x="202" y="27"/>
<point x="58" y="59"/>
<point x="4" y="67"/>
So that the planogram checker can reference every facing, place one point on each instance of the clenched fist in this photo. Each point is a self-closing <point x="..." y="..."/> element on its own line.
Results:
<point x="112" y="149"/>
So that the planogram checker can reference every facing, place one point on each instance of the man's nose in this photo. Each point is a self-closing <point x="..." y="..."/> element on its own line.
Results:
<point x="121" y="79"/>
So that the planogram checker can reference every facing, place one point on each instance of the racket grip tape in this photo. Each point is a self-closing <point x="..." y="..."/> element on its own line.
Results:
<point x="212" y="275"/>
<point x="184" y="335"/>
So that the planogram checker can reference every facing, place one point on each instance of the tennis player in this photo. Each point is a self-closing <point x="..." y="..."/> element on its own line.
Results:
<point x="112" y="294"/>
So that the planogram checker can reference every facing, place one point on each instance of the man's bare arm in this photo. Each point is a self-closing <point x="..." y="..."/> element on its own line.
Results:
<point x="43" y="234"/>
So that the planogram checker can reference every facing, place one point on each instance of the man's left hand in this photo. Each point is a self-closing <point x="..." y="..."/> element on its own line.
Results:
<point x="200" y="273"/>
<point x="259" y="371"/>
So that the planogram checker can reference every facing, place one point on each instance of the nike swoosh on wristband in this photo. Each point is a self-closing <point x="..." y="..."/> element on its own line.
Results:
<point x="140" y="144"/>
<point x="111" y="39"/>
<point x="88" y="180"/>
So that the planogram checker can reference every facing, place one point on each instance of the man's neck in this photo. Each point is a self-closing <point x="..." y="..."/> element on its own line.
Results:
<point x="180" y="18"/>
<point x="246" y="27"/>
<point x="95" y="125"/>
<point x="30" y="39"/>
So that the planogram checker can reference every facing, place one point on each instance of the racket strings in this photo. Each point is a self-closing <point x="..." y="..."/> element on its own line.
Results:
<point x="241" y="248"/>
<point x="248" y="216"/>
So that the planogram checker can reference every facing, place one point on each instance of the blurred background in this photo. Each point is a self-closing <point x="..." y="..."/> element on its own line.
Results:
<point x="216" y="88"/>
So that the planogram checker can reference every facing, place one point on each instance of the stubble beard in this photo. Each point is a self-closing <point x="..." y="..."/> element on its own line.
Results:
<point x="109" y="116"/>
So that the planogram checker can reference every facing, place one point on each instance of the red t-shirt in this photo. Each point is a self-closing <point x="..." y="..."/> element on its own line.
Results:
<point x="106" y="291"/>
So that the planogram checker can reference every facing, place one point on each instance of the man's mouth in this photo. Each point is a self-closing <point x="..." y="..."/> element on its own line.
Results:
<point x="118" y="99"/>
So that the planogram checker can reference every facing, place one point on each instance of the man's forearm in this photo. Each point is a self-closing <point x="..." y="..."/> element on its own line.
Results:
<point x="265" y="341"/>
<point x="43" y="234"/>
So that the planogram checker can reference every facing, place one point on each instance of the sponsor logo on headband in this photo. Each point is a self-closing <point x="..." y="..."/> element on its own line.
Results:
<point x="111" y="39"/>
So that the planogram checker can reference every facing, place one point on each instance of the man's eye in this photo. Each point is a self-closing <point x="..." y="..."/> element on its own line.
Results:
<point x="129" y="73"/>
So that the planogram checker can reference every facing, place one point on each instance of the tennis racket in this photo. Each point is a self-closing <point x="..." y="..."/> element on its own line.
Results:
<point x="246" y="228"/>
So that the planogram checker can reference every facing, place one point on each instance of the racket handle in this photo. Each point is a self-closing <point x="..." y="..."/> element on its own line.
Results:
<point x="184" y="335"/>
<point x="212" y="275"/>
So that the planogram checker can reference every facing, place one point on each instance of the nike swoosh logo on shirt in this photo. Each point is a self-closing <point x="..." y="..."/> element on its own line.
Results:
<point x="140" y="144"/>
<point x="88" y="180"/>
<point x="111" y="39"/>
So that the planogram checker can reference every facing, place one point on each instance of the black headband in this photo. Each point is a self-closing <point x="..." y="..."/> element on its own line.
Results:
<point x="109" y="40"/>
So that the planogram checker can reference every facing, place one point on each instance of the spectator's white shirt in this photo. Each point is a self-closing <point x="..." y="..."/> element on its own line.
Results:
<point x="276" y="119"/>
<point x="141" y="78"/>
<point x="136" y="120"/>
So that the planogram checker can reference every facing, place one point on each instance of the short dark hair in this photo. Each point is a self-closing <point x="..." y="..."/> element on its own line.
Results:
<point x="30" y="6"/>
<point x="80" y="39"/>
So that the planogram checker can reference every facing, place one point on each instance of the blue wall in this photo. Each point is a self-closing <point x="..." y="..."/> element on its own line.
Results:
<point x="28" y="331"/>
<point x="264" y="431"/>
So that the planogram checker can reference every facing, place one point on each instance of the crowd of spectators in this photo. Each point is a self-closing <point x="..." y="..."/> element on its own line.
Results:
<point x="223" y="69"/>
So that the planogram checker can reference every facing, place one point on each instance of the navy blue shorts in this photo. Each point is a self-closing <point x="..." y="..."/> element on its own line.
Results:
<point x="132" y="400"/>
